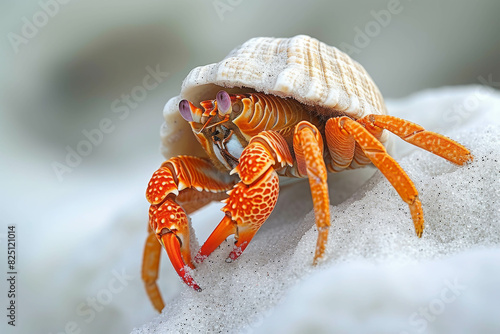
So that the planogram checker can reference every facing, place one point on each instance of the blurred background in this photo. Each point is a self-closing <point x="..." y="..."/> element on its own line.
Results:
<point x="78" y="72"/>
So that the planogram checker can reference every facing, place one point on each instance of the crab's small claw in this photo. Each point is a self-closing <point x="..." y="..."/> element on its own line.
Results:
<point x="170" y="223"/>
<point x="172" y="245"/>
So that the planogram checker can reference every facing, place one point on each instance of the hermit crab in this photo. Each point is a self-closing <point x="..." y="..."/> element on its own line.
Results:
<point x="292" y="107"/>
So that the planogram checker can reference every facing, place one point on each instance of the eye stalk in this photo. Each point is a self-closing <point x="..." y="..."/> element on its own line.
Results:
<point x="185" y="110"/>
<point x="223" y="103"/>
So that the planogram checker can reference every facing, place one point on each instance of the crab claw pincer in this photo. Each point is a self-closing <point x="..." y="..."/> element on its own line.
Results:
<point x="249" y="204"/>
<point x="173" y="247"/>
<point x="170" y="223"/>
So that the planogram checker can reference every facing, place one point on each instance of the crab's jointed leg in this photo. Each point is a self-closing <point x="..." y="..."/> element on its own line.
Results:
<point x="308" y="148"/>
<point x="150" y="265"/>
<point x="365" y="132"/>
<point x="375" y="151"/>
<point x="188" y="181"/>
<point x="418" y="136"/>
<point x="253" y="199"/>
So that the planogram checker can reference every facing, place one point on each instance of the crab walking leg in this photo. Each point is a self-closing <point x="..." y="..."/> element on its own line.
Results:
<point x="376" y="152"/>
<point x="253" y="199"/>
<point x="192" y="182"/>
<point x="308" y="147"/>
<point x="150" y="265"/>
<point x="418" y="136"/>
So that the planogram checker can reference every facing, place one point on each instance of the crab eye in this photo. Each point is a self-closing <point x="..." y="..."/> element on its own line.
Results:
<point x="185" y="110"/>
<point x="223" y="102"/>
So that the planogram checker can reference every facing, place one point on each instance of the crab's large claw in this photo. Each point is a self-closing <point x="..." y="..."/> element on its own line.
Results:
<point x="253" y="199"/>
<point x="182" y="185"/>
<point x="246" y="210"/>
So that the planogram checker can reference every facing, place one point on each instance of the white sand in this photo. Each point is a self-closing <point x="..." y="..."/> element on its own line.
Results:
<point x="76" y="237"/>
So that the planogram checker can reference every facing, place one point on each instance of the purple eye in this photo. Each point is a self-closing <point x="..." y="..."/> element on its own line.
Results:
<point x="185" y="110"/>
<point x="223" y="102"/>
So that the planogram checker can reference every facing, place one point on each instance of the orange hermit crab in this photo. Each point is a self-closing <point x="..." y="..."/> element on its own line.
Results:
<point x="274" y="106"/>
